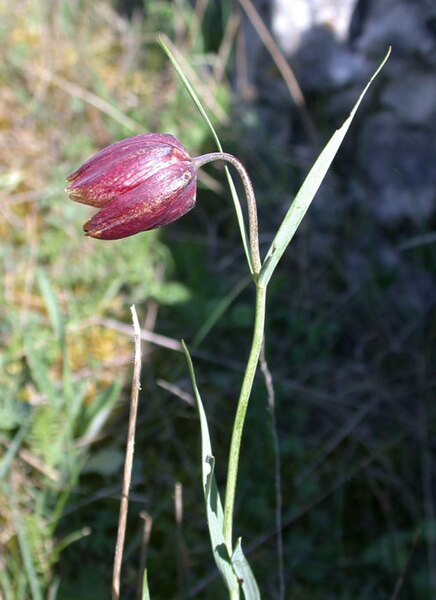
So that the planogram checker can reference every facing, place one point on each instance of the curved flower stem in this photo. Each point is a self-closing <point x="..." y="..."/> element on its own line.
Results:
<point x="251" y="200"/>
<point x="256" y="346"/>
<point x="235" y="445"/>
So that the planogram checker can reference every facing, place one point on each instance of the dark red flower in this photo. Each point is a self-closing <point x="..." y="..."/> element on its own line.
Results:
<point x="140" y="183"/>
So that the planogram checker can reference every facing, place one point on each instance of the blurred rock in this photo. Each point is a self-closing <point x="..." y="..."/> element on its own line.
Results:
<point x="400" y="23"/>
<point x="397" y="170"/>
<point x="381" y="190"/>
<point x="323" y="65"/>
<point x="333" y="47"/>
<point x="291" y="21"/>
<point x="412" y="97"/>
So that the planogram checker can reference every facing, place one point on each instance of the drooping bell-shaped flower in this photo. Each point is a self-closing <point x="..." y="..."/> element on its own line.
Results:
<point x="138" y="184"/>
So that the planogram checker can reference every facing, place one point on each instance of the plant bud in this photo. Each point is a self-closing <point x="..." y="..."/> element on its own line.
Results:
<point x="140" y="183"/>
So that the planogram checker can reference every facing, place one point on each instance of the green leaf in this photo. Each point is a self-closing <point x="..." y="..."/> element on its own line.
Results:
<point x="14" y="448"/>
<point x="7" y="587"/>
<point x="69" y="539"/>
<point x="170" y="293"/>
<point x="197" y="102"/>
<point x="52" y="304"/>
<point x="25" y="550"/>
<point x="308" y="190"/>
<point x="106" y="462"/>
<point x="40" y="374"/>
<point x="95" y="414"/>
<point x="244" y="573"/>
<point x="216" y="313"/>
<point x="214" y="510"/>
<point x="145" y="592"/>
<point x="58" y="323"/>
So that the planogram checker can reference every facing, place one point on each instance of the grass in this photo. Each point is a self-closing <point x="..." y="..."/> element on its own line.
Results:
<point x="349" y="356"/>
<point x="73" y="82"/>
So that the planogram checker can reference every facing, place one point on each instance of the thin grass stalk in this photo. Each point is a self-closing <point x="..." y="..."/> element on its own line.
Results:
<point x="165" y="42"/>
<point x="119" y="548"/>
<point x="284" y="67"/>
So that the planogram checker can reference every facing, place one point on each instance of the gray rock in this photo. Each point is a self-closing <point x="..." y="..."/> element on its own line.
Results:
<point x="396" y="163"/>
<point x="291" y="21"/>
<point x="391" y="148"/>
<point x="399" y="23"/>
<point x="412" y="97"/>
<point x="322" y="64"/>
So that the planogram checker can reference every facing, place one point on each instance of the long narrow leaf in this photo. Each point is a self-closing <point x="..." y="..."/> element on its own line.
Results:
<point x="214" y="510"/>
<point x="52" y="304"/>
<point x="97" y="413"/>
<point x="308" y="190"/>
<point x="244" y="573"/>
<point x="6" y="589"/>
<point x="145" y="590"/>
<point x="59" y="326"/>
<point x="218" y="312"/>
<point x="13" y="449"/>
<point x="40" y="374"/>
<point x="164" y="42"/>
<point x="25" y="550"/>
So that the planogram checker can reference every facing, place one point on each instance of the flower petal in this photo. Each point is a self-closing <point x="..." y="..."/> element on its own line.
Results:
<point x="164" y="197"/>
<point x="122" y="166"/>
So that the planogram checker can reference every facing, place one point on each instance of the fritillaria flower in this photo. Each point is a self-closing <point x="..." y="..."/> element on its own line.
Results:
<point x="138" y="184"/>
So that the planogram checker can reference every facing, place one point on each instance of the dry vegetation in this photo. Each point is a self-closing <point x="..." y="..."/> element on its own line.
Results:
<point x="355" y="420"/>
<point x="75" y="77"/>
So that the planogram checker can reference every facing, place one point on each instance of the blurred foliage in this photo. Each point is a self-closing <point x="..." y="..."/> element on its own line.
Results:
<point x="72" y="80"/>
<point x="355" y="416"/>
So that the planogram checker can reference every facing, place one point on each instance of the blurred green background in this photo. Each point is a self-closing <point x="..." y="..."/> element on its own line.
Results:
<point x="355" y="417"/>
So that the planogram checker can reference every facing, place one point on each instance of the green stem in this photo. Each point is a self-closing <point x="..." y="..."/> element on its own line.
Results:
<point x="235" y="445"/>
<point x="234" y="594"/>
